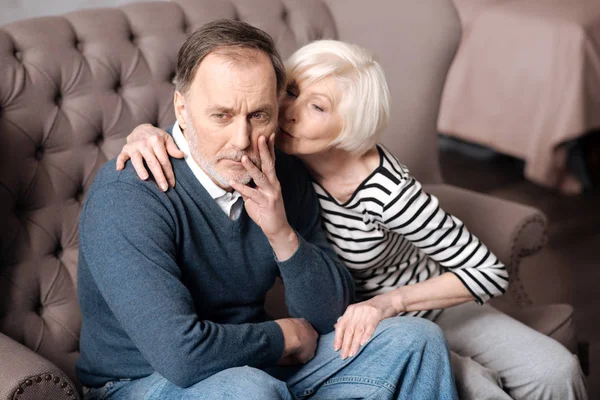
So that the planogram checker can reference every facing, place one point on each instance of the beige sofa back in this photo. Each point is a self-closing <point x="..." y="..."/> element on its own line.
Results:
<point x="72" y="87"/>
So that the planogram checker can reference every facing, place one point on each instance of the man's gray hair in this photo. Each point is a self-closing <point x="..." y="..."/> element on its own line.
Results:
<point x="225" y="35"/>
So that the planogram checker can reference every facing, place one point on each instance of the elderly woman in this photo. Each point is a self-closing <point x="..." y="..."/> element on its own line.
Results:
<point x="407" y="256"/>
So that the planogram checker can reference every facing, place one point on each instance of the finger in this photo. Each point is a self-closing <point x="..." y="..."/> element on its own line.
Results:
<point x="339" y="334"/>
<point x="259" y="178"/>
<point x="172" y="148"/>
<point x="369" y="330"/>
<point x="163" y="159"/>
<point x="356" y="341"/>
<point x="267" y="160"/>
<point x="348" y="338"/>
<point x="155" y="167"/>
<point x="121" y="160"/>
<point x="247" y="192"/>
<point x="138" y="165"/>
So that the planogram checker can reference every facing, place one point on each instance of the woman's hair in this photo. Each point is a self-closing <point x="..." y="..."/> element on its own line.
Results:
<point x="364" y="96"/>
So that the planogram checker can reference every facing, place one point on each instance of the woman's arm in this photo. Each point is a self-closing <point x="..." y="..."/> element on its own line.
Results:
<point x="152" y="145"/>
<point x="472" y="271"/>
<point x="418" y="217"/>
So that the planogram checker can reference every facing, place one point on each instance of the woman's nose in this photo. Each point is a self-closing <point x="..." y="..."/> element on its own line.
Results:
<point x="289" y="111"/>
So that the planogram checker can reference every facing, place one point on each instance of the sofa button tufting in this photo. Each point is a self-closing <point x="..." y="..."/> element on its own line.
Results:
<point x="18" y="55"/>
<point x="99" y="139"/>
<point x="29" y="382"/>
<point x="39" y="153"/>
<point x="58" y="99"/>
<point x="63" y="384"/>
<point x="20" y="391"/>
<point x="284" y="15"/>
<point x="56" y="378"/>
<point x="58" y="251"/>
<point x="70" y="392"/>
<point x="38" y="379"/>
<point x="118" y="86"/>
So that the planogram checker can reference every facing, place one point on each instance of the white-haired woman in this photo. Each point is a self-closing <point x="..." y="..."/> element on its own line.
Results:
<point x="407" y="256"/>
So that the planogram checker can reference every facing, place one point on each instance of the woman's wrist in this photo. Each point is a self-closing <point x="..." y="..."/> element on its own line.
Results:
<point x="397" y="301"/>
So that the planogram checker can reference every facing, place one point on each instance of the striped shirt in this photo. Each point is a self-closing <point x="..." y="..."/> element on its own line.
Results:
<point x="391" y="233"/>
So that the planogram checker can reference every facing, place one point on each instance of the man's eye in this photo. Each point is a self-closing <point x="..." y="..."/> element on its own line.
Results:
<point x="259" y="116"/>
<point x="220" y="116"/>
<point x="291" y="93"/>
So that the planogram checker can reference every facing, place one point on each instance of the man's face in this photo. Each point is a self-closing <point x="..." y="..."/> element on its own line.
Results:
<point x="230" y="103"/>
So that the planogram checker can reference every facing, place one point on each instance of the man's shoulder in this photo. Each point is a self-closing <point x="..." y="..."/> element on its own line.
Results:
<point x="110" y="182"/>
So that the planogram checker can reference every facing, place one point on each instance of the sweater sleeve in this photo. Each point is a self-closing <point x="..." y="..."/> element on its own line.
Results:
<point x="128" y="237"/>
<point x="318" y="287"/>
<point x="418" y="217"/>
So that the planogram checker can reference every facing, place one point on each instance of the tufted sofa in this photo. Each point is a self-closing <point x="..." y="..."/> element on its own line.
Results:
<point x="71" y="89"/>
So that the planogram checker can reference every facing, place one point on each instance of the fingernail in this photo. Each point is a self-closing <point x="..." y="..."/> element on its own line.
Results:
<point x="145" y="177"/>
<point x="164" y="187"/>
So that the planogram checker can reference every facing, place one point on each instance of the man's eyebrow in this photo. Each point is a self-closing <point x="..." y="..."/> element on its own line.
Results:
<point x="220" y="109"/>
<point x="268" y="108"/>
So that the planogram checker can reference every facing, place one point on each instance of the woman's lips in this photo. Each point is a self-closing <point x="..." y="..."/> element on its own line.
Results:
<point x="286" y="133"/>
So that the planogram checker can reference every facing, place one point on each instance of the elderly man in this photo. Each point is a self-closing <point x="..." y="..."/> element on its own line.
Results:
<point x="172" y="284"/>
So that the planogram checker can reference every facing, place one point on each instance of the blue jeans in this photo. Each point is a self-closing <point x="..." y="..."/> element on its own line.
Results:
<point x="407" y="358"/>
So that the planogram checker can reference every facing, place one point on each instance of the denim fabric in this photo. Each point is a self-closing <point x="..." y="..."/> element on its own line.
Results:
<point x="407" y="358"/>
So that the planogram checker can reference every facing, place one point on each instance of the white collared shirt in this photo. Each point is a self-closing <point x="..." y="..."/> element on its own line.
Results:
<point x="230" y="203"/>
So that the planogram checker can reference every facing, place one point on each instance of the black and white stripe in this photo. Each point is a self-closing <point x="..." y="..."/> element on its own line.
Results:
<point x="391" y="233"/>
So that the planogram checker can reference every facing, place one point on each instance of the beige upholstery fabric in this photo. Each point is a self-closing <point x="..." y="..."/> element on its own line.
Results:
<point x="72" y="88"/>
<point x="415" y="44"/>
<point x="495" y="220"/>
<point x="27" y="375"/>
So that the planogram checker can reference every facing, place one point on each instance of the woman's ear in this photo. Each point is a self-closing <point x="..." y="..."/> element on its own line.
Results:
<point x="180" y="109"/>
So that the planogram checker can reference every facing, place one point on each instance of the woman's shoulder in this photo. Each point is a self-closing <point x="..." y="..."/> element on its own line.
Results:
<point x="391" y="165"/>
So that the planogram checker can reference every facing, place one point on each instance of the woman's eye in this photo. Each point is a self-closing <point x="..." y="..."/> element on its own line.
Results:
<point x="316" y="107"/>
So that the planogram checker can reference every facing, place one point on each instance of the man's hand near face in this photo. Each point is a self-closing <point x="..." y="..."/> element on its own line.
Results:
<point x="264" y="202"/>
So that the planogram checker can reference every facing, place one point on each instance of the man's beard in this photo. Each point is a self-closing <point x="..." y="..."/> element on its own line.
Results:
<point x="208" y="165"/>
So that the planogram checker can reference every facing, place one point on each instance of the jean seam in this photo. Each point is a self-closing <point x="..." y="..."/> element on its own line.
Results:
<point x="353" y="379"/>
<point x="149" y="395"/>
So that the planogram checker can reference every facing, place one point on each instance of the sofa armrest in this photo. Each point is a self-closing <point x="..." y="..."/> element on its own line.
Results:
<point x="510" y="230"/>
<point x="30" y="375"/>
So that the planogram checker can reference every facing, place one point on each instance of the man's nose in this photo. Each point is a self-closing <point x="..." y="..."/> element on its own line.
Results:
<point x="242" y="134"/>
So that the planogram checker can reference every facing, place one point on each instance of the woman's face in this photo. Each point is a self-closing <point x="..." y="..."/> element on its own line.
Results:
<point x="308" y="118"/>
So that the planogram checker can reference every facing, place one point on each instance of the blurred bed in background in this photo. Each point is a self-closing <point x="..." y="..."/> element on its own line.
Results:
<point x="526" y="83"/>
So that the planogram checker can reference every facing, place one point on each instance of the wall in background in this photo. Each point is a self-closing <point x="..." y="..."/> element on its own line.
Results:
<point x="14" y="10"/>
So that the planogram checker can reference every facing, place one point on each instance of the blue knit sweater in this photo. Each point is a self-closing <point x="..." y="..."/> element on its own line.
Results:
<point x="168" y="283"/>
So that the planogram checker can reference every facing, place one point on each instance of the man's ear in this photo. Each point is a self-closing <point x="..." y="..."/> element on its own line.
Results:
<point x="180" y="108"/>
